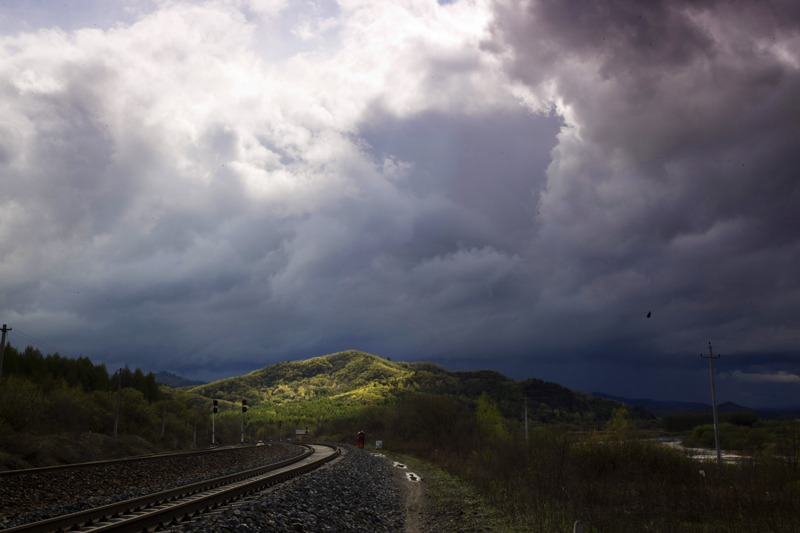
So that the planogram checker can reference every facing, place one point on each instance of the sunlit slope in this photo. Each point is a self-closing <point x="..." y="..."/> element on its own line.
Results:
<point x="351" y="375"/>
<point x="354" y="377"/>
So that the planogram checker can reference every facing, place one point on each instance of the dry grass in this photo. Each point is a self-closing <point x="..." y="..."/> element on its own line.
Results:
<point x="619" y="483"/>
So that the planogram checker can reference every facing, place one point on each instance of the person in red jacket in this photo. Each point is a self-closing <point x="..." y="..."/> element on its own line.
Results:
<point x="361" y="438"/>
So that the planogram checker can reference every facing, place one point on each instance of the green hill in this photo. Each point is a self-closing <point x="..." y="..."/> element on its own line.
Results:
<point x="333" y="386"/>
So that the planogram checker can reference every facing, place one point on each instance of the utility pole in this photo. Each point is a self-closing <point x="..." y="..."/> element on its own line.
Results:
<point x="164" y="422"/>
<point x="714" y="404"/>
<point x="526" y="419"/>
<point x="244" y="410"/>
<point x="5" y="330"/>
<point x="214" y="410"/>
<point x="196" y="414"/>
<point x="207" y="424"/>
<point x="119" y="395"/>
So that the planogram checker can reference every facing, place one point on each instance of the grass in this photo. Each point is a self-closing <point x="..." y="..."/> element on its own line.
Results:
<point x="614" y="482"/>
<point x="455" y="504"/>
<point x="30" y="451"/>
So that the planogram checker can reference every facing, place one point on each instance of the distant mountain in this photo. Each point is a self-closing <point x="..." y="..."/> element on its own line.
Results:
<point x="656" y="405"/>
<point x="360" y="378"/>
<point x="663" y="408"/>
<point x="173" y="380"/>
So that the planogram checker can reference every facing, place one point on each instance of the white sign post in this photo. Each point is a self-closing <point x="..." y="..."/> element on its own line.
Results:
<point x="378" y="444"/>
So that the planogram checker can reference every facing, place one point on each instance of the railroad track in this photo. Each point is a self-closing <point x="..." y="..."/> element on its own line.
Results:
<point x="171" y="507"/>
<point x="125" y="460"/>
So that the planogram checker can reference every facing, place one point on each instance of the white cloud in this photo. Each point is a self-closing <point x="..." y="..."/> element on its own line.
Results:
<point x="164" y="171"/>
<point x="776" y="377"/>
<point x="29" y="81"/>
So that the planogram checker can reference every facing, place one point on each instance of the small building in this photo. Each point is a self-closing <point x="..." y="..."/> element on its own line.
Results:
<point x="302" y="434"/>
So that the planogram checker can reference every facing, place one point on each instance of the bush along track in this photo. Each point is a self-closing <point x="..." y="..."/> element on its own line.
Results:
<point x="354" y="493"/>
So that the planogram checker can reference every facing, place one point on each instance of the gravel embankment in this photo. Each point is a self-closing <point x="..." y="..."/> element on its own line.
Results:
<point x="354" y="493"/>
<point x="32" y="497"/>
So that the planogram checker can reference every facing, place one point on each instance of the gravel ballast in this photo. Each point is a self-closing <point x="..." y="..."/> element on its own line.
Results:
<point x="32" y="497"/>
<point x="354" y="493"/>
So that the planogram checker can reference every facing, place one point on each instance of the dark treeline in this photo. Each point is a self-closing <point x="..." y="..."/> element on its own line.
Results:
<point x="48" y="371"/>
<point x="146" y="384"/>
<point x="689" y="421"/>
<point x="59" y="410"/>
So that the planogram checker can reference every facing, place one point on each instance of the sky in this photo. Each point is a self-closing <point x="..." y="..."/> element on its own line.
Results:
<point x="581" y="192"/>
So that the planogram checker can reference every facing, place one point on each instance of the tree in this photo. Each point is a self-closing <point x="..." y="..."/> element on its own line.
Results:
<point x="490" y="421"/>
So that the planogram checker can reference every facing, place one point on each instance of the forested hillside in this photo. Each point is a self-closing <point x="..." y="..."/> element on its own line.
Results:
<point x="330" y="392"/>
<point x="53" y="371"/>
<point x="59" y="409"/>
<point x="331" y="395"/>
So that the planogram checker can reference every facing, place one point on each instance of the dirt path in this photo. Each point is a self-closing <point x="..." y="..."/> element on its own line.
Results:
<point x="434" y="502"/>
<point x="413" y="497"/>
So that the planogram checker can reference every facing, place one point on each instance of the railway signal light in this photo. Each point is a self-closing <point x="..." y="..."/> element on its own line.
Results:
<point x="213" y="426"/>
<point x="244" y="410"/>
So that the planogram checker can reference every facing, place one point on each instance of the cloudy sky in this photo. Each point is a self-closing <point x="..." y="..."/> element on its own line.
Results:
<point x="212" y="187"/>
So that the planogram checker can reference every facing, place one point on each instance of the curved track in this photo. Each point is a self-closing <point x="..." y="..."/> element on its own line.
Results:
<point x="177" y="505"/>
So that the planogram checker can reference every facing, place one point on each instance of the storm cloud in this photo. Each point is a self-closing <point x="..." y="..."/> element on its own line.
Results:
<point x="212" y="187"/>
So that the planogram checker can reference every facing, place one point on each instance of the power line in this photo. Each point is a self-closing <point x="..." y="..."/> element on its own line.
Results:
<point x="761" y="353"/>
<point x="28" y="338"/>
<point x="761" y="340"/>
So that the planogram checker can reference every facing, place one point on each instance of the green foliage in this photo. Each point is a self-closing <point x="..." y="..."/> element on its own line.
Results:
<point x="740" y="438"/>
<point x="54" y="395"/>
<point x="614" y="481"/>
<point x="619" y="427"/>
<point x="51" y="370"/>
<point x="138" y="381"/>
<point x="490" y="421"/>
<point x="326" y="391"/>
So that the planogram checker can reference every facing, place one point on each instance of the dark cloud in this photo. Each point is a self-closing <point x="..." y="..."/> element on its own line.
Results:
<point x="675" y="180"/>
<point x="187" y="205"/>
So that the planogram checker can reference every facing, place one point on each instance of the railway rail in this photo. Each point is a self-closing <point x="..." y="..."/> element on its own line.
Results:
<point x="171" y="507"/>
<point x="125" y="460"/>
